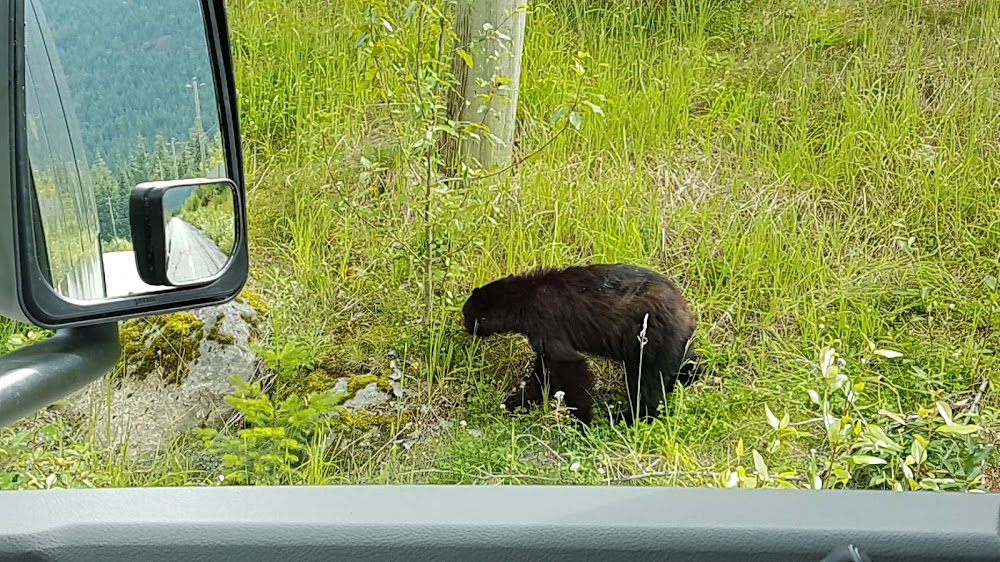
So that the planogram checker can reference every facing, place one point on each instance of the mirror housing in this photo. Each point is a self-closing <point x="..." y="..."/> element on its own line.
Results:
<point x="186" y="230"/>
<point x="58" y="257"/>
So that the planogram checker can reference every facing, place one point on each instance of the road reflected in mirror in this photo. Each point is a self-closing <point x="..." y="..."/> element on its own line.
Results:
<point x="104" y="113"/>
<point x="199" y="227"/>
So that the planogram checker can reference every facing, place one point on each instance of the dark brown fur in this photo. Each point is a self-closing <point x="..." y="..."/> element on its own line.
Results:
<point x="596" y="310"/>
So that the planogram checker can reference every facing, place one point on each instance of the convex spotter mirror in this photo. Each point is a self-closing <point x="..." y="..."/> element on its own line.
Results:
<point x="186" y="229"/>
<point x="125" y="161"/>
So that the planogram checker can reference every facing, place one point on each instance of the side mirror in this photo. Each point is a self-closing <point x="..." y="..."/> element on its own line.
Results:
<point x="187" y="228"/>
<point x="126" y="188"/>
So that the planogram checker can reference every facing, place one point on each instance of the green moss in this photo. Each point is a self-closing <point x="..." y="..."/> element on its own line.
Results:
<point x="254" y="300"/>
<point x="384" y="383"/>
<point x="168" y="343"/>
<point x="257" y="303"/>
<point x="323" y="379"/>
<point x="356" y="383"/>
<point x="317" y="380"/>
<point x="254" y="323"/>
<point x="363" y="421"/>
<point x="215" y="332"/>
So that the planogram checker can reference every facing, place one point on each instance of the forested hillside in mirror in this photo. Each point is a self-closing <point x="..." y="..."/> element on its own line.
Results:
<point x="163" y="160"/>
<point x="157" y="48"/>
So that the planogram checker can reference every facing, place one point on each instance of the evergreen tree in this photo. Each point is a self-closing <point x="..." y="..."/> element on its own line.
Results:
<point x="114" y="184"/>
<point x="107" y="200"/>
<point x="163" y="160"/>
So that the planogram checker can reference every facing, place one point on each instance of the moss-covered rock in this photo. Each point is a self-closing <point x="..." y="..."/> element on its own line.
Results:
<point x="215" y="332"/>
<point x="363" y="420"/>
<point x="168" y="344"/>
<point x="257" y="319"/>
<point x="358" y="382"/>
<point x="305" y="382"/>
<point x="331" y="372"/>
<point x="175" y="373"/>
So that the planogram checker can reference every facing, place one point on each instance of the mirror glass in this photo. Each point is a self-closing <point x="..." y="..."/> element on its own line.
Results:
<point x="118" y="92"/>
<point x="199" y="229"/>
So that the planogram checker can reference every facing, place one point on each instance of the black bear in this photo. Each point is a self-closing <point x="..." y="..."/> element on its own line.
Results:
<point x="600" y="310"/>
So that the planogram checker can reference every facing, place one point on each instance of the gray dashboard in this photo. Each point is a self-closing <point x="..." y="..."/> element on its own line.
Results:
<point x="493" y="523"/>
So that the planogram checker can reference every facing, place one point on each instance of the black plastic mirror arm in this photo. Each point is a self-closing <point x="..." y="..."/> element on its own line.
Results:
<point x="38" y="375"/>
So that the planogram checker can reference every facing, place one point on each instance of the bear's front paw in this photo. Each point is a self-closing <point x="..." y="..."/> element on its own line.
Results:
<point x="515" y="400"/>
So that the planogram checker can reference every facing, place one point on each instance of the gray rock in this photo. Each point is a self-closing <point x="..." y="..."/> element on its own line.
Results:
<point x="145" y="412"/>
<point x="341" y="385"/>
<point x="367" y="398"/>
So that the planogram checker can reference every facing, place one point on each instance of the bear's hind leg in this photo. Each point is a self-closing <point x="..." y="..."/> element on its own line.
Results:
<point x="647" y="388"/>
<point x="660" y="372"/>
<point x="651" y="391"/>
<point x="644" y="395"/>
<point x="576" y="381"/>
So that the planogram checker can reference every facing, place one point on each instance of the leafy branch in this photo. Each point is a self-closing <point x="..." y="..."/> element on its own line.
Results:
<point x="409" y="72"/>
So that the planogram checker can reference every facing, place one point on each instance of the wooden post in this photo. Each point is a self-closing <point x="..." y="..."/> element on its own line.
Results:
<point x="486" y="62"/>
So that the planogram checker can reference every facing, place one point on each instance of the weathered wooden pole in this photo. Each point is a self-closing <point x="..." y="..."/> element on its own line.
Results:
<point x="486" y="63"/>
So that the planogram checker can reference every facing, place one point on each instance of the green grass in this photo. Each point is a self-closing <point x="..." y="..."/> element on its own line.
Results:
<point x="813" y="173"/>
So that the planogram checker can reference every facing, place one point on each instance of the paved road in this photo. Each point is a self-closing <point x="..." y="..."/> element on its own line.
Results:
<point x="190" y="254"/>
